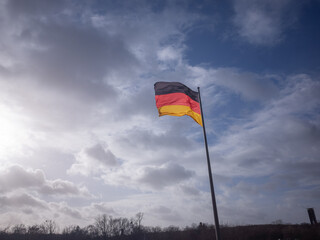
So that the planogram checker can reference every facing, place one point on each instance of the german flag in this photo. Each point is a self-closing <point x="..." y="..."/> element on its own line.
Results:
<point x="176" y="99"/>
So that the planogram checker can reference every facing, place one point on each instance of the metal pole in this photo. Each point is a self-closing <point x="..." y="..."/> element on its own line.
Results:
<point x="214" y="204"/>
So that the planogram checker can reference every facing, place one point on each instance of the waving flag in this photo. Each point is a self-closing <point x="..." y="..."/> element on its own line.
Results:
<point x="176" y="99"/>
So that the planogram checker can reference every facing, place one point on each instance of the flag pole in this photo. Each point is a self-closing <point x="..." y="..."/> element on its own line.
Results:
<point x="214" y="204"/>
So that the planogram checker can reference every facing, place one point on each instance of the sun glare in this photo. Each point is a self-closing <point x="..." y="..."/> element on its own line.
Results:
<point x="12" y="132"/>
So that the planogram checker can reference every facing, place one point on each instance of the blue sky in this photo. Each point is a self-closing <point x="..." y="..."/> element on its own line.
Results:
<point x="80" y="134"/>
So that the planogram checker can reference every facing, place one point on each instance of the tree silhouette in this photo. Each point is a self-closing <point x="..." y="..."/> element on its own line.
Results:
<point x="50" y="226"/>
<point x="19" y="229"/>
<point x="109" y="228"/>
<point x="101" y="224"/>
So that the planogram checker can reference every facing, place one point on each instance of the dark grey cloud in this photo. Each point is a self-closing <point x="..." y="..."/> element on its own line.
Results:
<point x="80" y="59"/>
<point x="33" y="7"/>
<point x="167" y="175"/>
<point x="61" y="70"/>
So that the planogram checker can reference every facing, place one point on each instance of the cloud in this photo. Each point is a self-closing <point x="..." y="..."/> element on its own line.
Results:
<point x="67" y="75"/>
<point x="170" y="138"/>
<point x="24" y="208"/>
<point x="104" y="208"/>
<point x="71" y="72"/>
<point x="170" y="57"/>
<point x="159" y="208"/>
<point x="93" y="159"/>
<point x="272" y="153"/>
<point x="168" y="53"/>
<point x="98" y="153"/>
<point x="166" y="214"/>
<point x="189" y="190"/>
<point x="61" y="65"/>
<point x="61" y="187"/>
<point x="249" y="85"/>
<point x="263" y="22"/>
<point x="20" y="201"/>
<point x="148" y="177"/>
<point x="34" y="7"/>
<point x="167" y="175"/>
<point x="250" y="214"/>
<point x="287" y="135"/>
<point x="63" y="209"/>
<point x="16" y="178"/>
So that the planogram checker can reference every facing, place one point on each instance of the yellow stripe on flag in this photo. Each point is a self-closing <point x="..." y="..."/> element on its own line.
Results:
<point x="179" y="110"/>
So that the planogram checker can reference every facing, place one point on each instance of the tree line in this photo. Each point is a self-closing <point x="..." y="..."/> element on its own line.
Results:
<point x="106" y="227"/>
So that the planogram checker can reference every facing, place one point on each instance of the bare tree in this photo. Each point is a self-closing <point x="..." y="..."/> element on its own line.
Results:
<point x="136" y="222"/>
<point x="19" y="229"/>
<point x="5" y="230"/>
<point x="68" y="229"/>
<point x="139" y="217"/>
<point x="36" y="229"/>
<point x="102" y="225"/>
<point x="92" y="231"/>
<point x="50" y="226"/>
<point x="119" y="226"/>
<point x="113" y="226"/>
<point x="124" y="226"/>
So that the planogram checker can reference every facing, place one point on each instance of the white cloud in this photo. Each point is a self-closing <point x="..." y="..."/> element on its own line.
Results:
<point x="21" y="200"/>
<point x="263" y="22"/>
<point x="170" y="57"/>
<point x="15" y="178"/>
<point x="169" y="54"/>
<point x="93" y="159"/>
<point x="148" y="177"/>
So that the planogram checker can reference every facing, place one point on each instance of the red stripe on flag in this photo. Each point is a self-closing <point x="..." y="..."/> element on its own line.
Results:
<point x="177" y="99"/>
